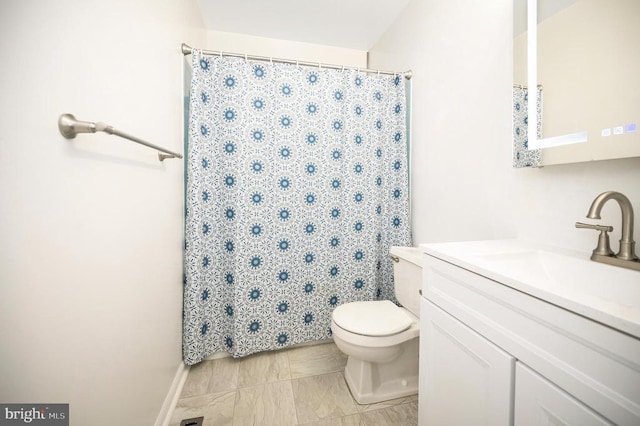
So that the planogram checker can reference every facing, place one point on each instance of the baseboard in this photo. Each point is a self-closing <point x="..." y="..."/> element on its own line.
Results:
<point x="166" y="411"/>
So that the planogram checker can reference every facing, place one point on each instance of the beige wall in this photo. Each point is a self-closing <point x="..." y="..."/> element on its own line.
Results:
<point x="91" y="229"/>
<point x="464" y="187"/>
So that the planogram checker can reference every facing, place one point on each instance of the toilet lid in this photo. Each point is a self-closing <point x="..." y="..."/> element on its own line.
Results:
<point x="373" y="318"/>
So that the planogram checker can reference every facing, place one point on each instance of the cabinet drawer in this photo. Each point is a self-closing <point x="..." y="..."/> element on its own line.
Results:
<point x="539" y="402"/>
<point x="598" y="365"/>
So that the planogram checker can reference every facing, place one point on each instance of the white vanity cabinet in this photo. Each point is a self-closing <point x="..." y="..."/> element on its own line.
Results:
<point x="496" y="355"/>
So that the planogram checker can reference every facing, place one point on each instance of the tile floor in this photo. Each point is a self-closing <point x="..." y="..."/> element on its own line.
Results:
<point x="298" y="386"/>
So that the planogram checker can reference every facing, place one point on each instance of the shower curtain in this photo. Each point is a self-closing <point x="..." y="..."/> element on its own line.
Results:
<point x="522" y="155"/>
<point x="297" y="185"/>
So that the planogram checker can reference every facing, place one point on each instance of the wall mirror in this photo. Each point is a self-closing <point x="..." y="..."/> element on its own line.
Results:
<point x="582" y="58"/>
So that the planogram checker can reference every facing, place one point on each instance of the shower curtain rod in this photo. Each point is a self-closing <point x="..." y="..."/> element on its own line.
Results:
<point x="187" y="50"/>
<point x="69" y="127"/>
<point x="524" y="86"/>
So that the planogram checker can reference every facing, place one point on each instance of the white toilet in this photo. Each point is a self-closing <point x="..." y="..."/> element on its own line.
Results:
<point x="381" y="339"/>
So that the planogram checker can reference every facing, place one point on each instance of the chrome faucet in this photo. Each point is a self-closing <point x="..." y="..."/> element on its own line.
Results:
<point x="626" y="256"/>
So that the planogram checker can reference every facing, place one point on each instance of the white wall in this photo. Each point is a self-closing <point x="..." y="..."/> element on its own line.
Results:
<point x="285" y="49"/>
<point x="91" y="229"/>
<point x="463" y="185"/>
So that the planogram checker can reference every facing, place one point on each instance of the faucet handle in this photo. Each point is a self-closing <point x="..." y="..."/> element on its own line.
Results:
<point x="603" y="248"/>
<point x="604" y="228"/>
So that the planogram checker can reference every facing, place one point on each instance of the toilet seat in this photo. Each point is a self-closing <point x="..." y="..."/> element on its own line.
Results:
<point x="372" y="318"/>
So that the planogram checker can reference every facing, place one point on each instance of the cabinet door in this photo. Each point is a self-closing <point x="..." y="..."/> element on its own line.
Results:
<point x="464" y="378"/>
<point x="540" y="402"/>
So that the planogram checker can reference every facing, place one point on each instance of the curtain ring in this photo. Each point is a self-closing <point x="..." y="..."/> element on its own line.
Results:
<point x="297" y="63"/>
<point x="220" y="54"/>
<point x="245" y="57"/>
<point x="271" y="59"/>
<point x="319" y="65"/>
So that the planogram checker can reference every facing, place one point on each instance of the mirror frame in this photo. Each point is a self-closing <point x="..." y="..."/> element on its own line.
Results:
<point x="532" y="83"/>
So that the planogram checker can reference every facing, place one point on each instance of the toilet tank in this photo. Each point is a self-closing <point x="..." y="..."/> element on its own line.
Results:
<point x="407" y="277"/>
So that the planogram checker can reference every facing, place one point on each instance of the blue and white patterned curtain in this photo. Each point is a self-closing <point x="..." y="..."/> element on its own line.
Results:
<point x="522" y="155"/>
<point x="297" y="185"/>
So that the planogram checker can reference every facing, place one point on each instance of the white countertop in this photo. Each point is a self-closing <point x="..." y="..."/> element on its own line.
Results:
<point x="569" y="279"/>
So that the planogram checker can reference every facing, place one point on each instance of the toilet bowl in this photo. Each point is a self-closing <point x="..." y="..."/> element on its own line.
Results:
<point x="380" y="338"/>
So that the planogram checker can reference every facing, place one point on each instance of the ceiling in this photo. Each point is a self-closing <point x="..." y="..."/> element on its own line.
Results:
<point x="355" y="24"/>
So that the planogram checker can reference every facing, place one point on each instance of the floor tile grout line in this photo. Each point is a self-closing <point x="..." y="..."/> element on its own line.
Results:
<point x="293" y="398"/>
<point x="261" y="383"/>
<point x="235" y="405"/>
<point x="295" y="406"/>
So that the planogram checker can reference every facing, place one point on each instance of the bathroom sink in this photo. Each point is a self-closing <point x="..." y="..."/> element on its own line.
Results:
<point x="554" y="270"/>
<point x="569" y="279"/>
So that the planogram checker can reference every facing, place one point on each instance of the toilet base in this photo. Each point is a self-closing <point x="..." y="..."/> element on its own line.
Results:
<point x="375" y="382"/>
